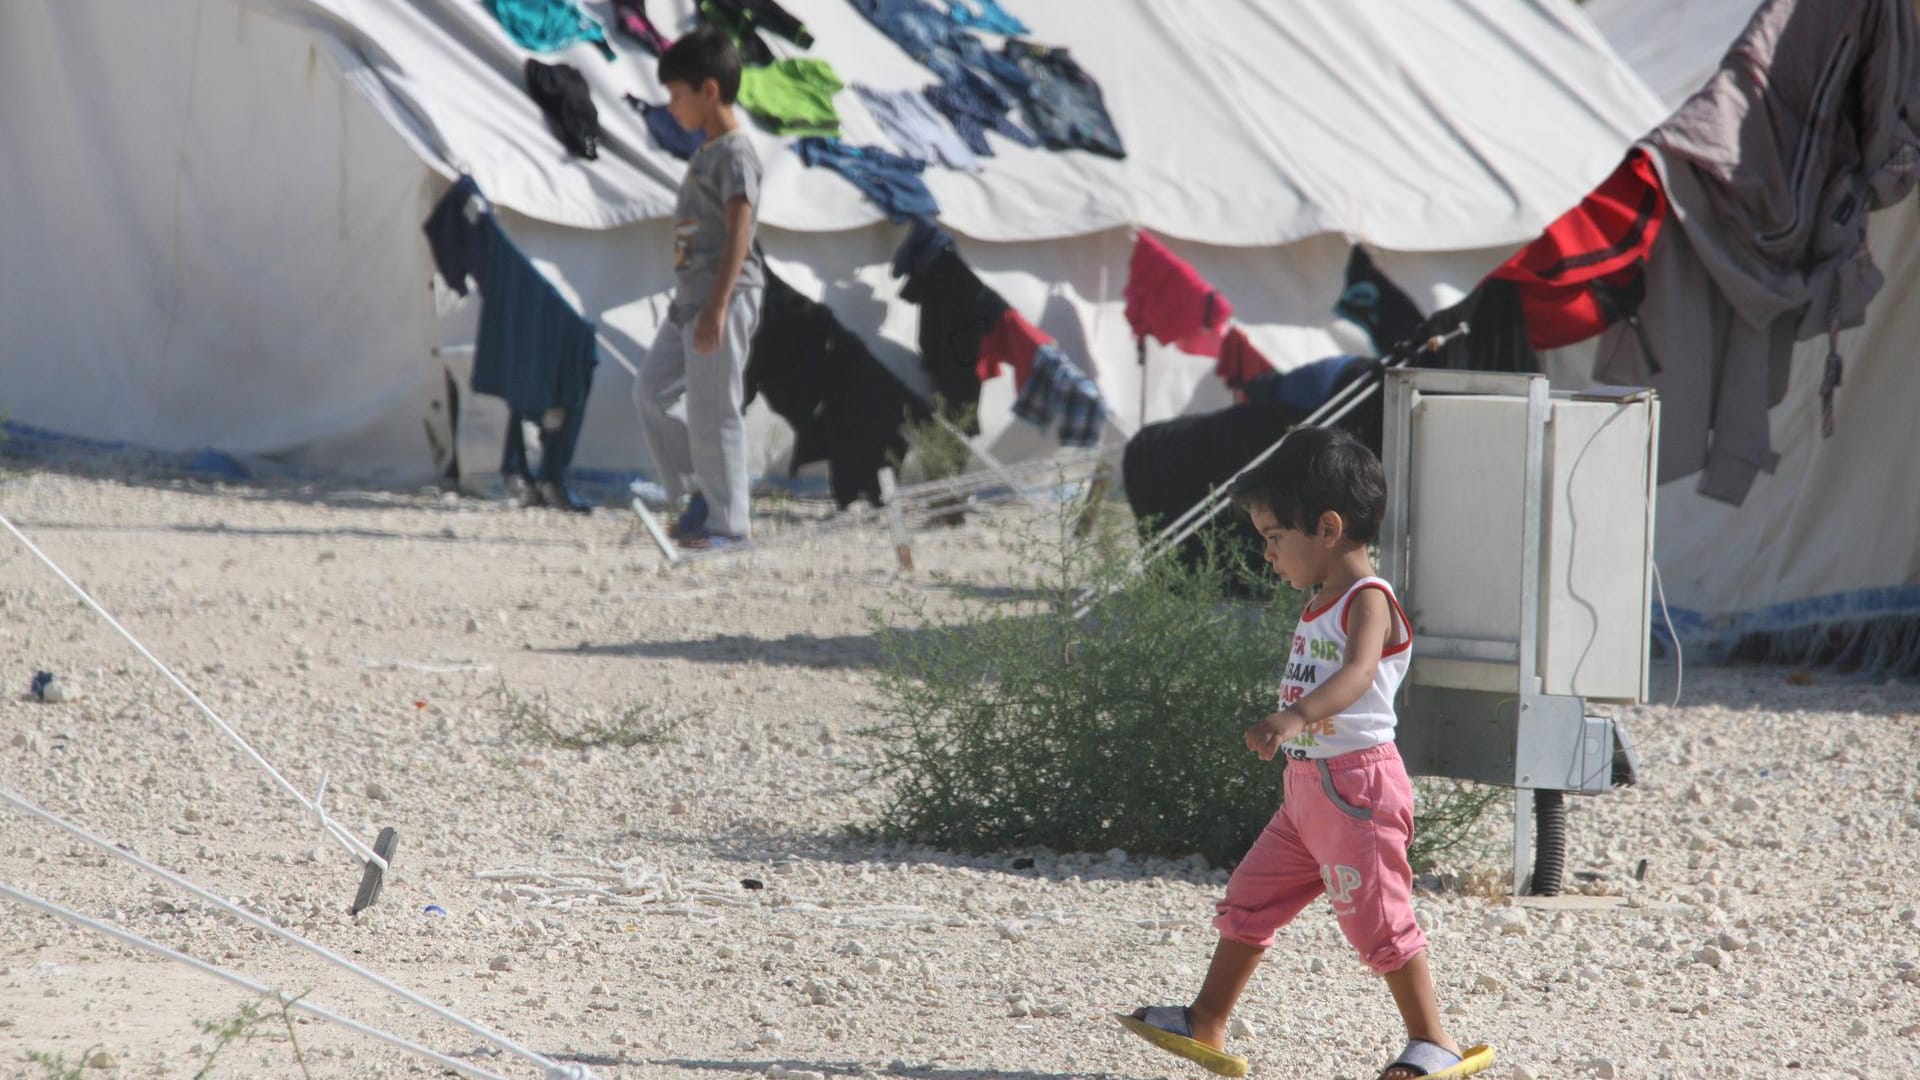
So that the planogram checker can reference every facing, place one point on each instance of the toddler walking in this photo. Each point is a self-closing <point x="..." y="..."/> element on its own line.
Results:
<point x="1346" y="821"/>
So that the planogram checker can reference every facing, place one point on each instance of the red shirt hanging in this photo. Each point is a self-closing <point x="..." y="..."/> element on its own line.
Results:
<point x="1602" y="240"/>
<point x="1240" y="363"/>
<point x="1168" y="300"/>
<point x="1013" y="341"/>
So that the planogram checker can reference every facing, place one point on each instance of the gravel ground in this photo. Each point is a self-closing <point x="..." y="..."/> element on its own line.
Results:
<point x="595" y="901"/>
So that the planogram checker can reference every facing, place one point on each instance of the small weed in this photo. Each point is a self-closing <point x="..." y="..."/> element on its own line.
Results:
<point x="253" y="1020"/>
<point x="777" y="508"/>
<point x="1448" y="812"/>
<point x="535" y="721"/>
<point x="55" y="1067"/>
<point x="939" y="451"/>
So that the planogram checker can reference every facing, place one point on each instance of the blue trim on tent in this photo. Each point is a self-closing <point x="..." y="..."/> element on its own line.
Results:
<point x="606" y="487"/>
<point x="25" y="440"/>
<point x="1717" y="635"/>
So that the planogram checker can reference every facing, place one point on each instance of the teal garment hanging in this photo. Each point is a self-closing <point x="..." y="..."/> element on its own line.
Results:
<point x="549" y="25"/>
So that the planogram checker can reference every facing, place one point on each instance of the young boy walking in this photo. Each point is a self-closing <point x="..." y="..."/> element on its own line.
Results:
<point x="701" y="352"/>
<point x="1347" y="818"/>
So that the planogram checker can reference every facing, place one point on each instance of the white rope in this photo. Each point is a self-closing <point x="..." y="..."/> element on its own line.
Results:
<point x="287" y="936"/>
<point x="992" y="463"/>
<point x="333" y="828"/>
<point x="292" y="1003"/>
<point x="618" y="356"/>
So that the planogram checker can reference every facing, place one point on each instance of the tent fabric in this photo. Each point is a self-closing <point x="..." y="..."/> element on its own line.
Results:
<point x="1416" y="129"/>
<point x="1675" y="45"/>
<point x="156" y="295"/>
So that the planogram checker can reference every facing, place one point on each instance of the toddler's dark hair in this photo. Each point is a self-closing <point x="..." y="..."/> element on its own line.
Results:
<point x="705" y="52"/>
<point x="1315" y="470"/>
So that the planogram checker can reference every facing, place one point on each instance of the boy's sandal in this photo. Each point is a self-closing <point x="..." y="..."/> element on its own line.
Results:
<point x="692" y="521"/>
<point x="1170" y="1027"/>
<point x="714" y="543"/>
<point x="1436" y="1062"/>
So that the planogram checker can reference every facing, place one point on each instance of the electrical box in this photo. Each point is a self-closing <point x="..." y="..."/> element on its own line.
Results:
<point x="1519" y="535"/>
<point x="1589" y="513"/>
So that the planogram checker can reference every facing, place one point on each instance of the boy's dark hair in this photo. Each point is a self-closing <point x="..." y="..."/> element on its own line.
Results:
<point x="705" y="52"/>
<point x="1315" y="470"/>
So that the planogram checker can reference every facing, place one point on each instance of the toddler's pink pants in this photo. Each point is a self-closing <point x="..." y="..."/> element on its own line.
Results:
<point x="1343" y="831"/>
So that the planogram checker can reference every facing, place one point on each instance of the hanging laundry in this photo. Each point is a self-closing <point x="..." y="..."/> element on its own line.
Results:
<point x="1570" y="277"/>
<point x="630" y="18"/>
<point x="1372" y="300"/>
<point x="667" y="131"/>
<point x="924" y="243"/>
<point x="561" y="92"/>
<point x="549" y="25"/>
<point x="1169" y="301"/>
<point x="1240" y="363"/>
<point x="793" y="97"/>
<point x="455" y="237"/>
<point x="1013" y="341"/>
<point x="1170" y="465"/>
<point x="761" y="15"/>
<point x="754" y="51"/>
<point x="845" y="407"/>
<point x="974" y="107"/>
<point x="916" y="128"/>
<point x="957" y="312"/>
<point x="985" y="15"/>
<point x="1811" y="123"/>
<point x="944" y="48"/>
<point x="1063" y="104"/>
<point x="1496" y="337"/>
<point x="557" y="444"/>
<point x="1310" y="385"/>
<point x="1058" y="389"/>
<point x="892" y="182"/>
<point x="532" y="348"/>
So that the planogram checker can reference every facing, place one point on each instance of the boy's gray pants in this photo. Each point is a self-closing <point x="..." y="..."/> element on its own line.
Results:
<point x="707" y="452"/>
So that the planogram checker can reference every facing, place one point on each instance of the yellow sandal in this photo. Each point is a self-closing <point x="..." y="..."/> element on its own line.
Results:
<point x="1432" y="1060"/>
<point x="1171" y="1029"/>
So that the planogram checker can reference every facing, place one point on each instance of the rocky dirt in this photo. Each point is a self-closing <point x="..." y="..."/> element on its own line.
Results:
<point x="697" y="908"/>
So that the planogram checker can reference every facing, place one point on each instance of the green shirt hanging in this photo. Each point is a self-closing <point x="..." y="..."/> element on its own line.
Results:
<point x="793" y="97"/>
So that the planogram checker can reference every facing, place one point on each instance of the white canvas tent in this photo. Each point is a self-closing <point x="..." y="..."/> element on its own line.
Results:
<point x="1822" y="560"/>
<point x="209" y="210"/>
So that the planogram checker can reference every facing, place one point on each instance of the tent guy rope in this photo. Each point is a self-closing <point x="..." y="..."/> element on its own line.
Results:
<point x="281" y="997"/>
<point x="345" y="838"/>
<point x="554" y="1070"/>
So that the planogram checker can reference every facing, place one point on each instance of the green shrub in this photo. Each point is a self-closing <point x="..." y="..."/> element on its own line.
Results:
<point x="1017" y="725"/>
<point x="1444" y="815"/>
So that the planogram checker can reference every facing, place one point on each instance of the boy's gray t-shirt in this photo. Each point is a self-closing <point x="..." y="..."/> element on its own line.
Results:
<point x="721" y="169"/>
